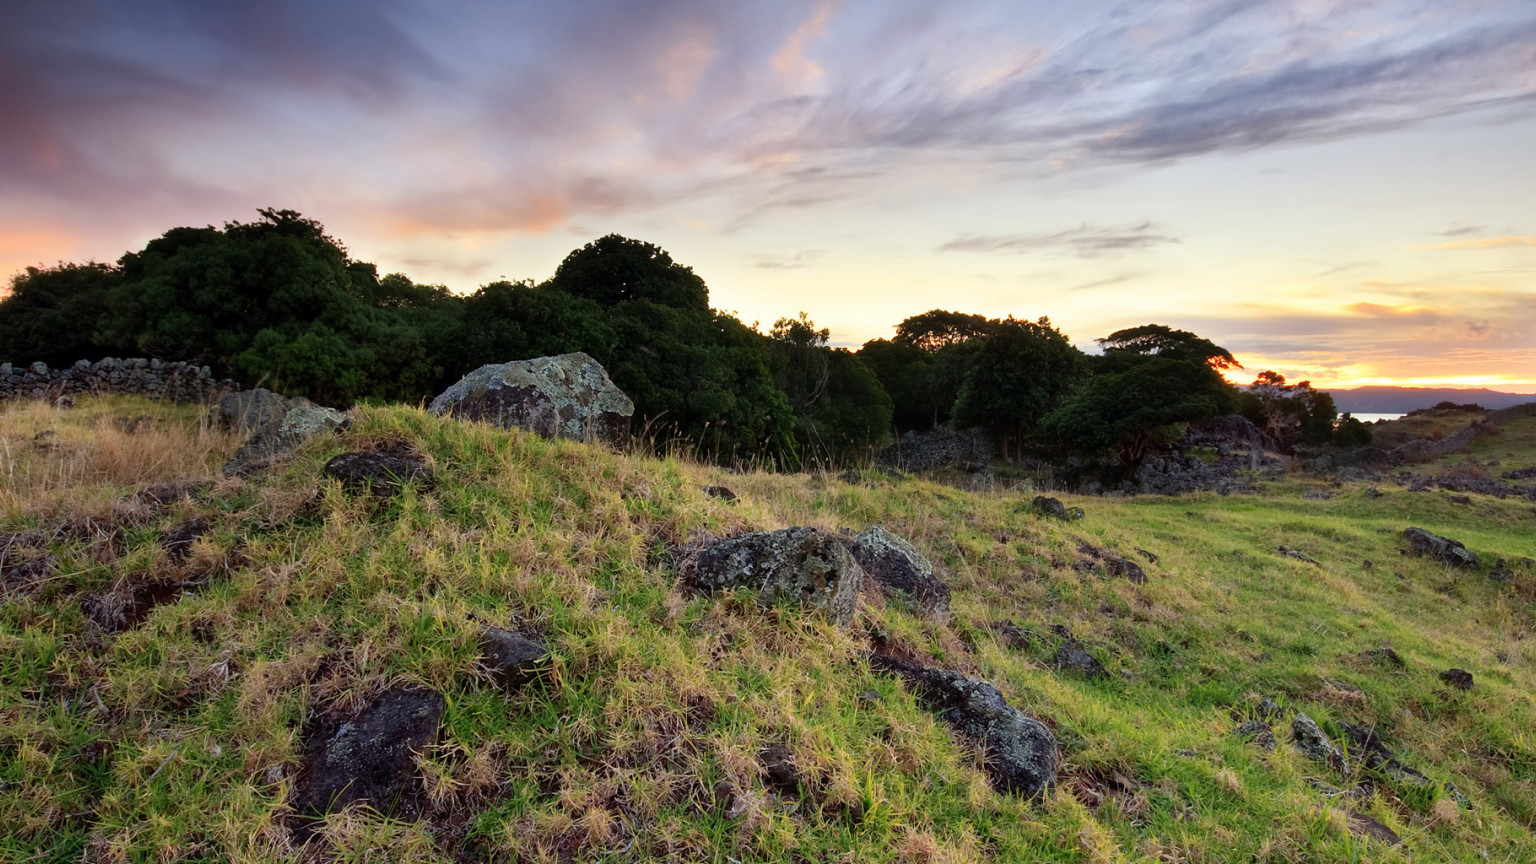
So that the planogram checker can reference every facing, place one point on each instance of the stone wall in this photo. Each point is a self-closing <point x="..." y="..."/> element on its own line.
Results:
<point x="179" y="382"/>
<point x="940" y="447"/>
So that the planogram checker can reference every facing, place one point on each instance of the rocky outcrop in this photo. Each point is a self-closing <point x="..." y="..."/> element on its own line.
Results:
<point x="157" y="379"/>
<point x="940" y="447"/>
<point x="1314" y="744"/>
<point x="273" y="424"/>
<point x="1442" y="549"/>
<point x="803" y="566"/>
<point x="564" y="396"/>
<point x="1019" y="753"/>
<point x="894" y="565"/>
<point x="369" y="757"/>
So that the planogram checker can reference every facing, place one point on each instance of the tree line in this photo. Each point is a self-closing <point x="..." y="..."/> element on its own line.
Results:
<point x="280" y="302"/>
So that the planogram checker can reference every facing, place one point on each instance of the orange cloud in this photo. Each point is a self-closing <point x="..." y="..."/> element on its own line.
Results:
<point x="790" y="58"/>
<point x="1483" y="243"/>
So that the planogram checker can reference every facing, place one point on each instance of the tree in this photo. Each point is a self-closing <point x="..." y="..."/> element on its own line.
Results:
<point x="903" y="373"/>
<point x="1130" y="411"/>
<point x="937" y="329"/>
<point x="801" y="360"/>
<point x="1289" y="414"/>
<point x="1160" y="341"/>
<point x="51" y="313"/>
<point x="1022" y="371"/>
<point x="840" y="408"/>
<point x="614" y="269"/>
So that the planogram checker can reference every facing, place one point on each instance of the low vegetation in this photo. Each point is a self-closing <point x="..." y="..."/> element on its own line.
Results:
<point x="168" y="640"/>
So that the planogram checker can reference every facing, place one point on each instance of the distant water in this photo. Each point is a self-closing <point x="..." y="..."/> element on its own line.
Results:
<point x="1372" y="418"/>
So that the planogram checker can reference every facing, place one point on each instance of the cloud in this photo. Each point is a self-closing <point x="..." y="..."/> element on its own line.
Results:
<point x="1477" y="330"/>
<point x="1483" y="243"/>
<point x="1084" y="241"/>
<point x="797" y="261"/>
<point x="1461" y="231"/>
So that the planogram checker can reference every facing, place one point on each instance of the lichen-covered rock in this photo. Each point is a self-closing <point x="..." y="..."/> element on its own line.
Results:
<point x="1019" y="753"/>
<point x="512" y="658"/>
<point x="1314" y="744"/>
<point x="893" y="564"/>
<point x="799" y="565"/>
<point x="369" y="757"/>
<point x="274" y="424"/>
<point x="564" y="396"/>
<point x="1073" y="658"/>
<point x="1258" y="733"/>
<point x="1442" y="549"/>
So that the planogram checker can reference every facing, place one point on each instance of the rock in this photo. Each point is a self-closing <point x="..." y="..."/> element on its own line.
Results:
<point x="1268" y="710"/>
<point x="1019" y="753"/>
<point x="1501" y="572"/>
<point x="178" y="541"/>
<point x="1314" y="744"/>
<point x="1442" y="549"/>
<point x="1051" y="507"/>
<point x="1015" y="637"/>
<point x="1373" y="492"/>
<point x="1258" y="732"/>
<point x="1463" y="500"/>
<point x="275" y="425"/>
<point x="565" y="396"/>
<point x="720" y="492"/>
<point x="369" y="757"/>
<point x="1126" y="568"/>
<point x="1368" y="748"/>
<point x="780" y="773"/>
<point x="1316" y="495"/>
<point x="800" y="565"/>
<point x="382" y="472"/>
<point x="1072" y="657"/>
<point x="893" y="564"/>
<point x="1461" y="679"/>
<point x="512" y="658"/>
<point x="1298" y="555"/>
<point x="1364" y="826"/>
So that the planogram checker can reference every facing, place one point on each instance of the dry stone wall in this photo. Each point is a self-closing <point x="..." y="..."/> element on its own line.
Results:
<point x="178" y="382"/>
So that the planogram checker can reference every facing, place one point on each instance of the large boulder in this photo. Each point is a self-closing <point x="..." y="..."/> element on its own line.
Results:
<point x="564" y="396"/>
<point x="273" y="425"/>
<point x="1442" y="549"/>
<point x="806" y="566"/>
<point x="893" y="564"/>
<point x="1019" y="753"/>
<point x="369" y="757"/>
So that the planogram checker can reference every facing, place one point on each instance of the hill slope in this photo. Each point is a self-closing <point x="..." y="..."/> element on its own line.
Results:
<point x="1401" y="400"/>
<point x="160" y="675"/>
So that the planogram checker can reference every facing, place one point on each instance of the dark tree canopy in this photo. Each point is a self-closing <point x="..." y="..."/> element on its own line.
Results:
<point x="1292" y="414"/>
<point x="1020" y="372"/>
<point x="937" y="329"/>
<point x="1161" y="341"/>
<point x="51" y="313"/>
<point x="841" y="411"/>
<point x="613" y="269"/>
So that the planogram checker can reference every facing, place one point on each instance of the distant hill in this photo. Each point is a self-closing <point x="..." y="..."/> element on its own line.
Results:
<point x="1401" y="400"/>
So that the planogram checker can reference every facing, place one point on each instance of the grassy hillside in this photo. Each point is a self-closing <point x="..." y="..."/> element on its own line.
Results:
<point x="154" y="700"/>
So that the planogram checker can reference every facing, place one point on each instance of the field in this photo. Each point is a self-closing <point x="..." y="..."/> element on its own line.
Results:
<point x="156" y="687"/>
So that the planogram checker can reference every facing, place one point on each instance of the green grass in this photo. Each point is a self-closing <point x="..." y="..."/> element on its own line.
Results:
<point x="178" y="739"/>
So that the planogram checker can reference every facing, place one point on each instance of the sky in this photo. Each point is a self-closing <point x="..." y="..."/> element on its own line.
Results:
<point x="1339" y="190"/>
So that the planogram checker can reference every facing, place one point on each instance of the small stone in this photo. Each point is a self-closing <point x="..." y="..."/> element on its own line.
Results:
<point x="369" y="757"/>
<point x="1258" y="732"/>
<point x="1314" y="744"/>
<point x="1461" y="679"/>
<point x="381" y="472"/>
<point x="1074" y="658"/>
<point x="178" y="541"/>
<point x="512" y="658"/>
<point x="1384" y="655"/>
<point x="780" y="773"/>
<point x="1442" y="549"/>
<point x="1365" y="826"/>
<point x="720" y="492"/>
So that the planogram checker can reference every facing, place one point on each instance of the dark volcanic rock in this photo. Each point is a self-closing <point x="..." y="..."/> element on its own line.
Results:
<point x="1125" y="568"/>
<point x="1073" y="657"/>
<point x="1051" y="507"/>
<point x="1384" y="655"/>
<point x="720" y="492"/>
<point x="512" y="658"/>
<point x="1461" y="679"/>
<point x="893" y="564"/>
<point x="1257" y="732"/>
<point x="382" y="472"/>
<point x="1015" y="637"/>
<point x="1368" y="748"/>
<point x="800" y="565"/>
<point x="1442" y="549"/>
<point x="1364" y="826"/>
<point x="369" y="757"/>
<point x="1313" y="743"/>
<point x="564" y="396"/>
<point x="1019" y="752"/>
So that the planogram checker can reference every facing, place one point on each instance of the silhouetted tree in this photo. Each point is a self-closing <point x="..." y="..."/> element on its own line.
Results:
<point x="1020" y="372"/>
<point x="614" y="269"/>
<point x="51" y="313"/>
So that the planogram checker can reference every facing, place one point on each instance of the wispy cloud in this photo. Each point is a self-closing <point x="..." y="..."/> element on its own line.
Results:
<point x="1086" y="240"/>
<point x="797" y="261"/>
<point x="1483" y="243"/>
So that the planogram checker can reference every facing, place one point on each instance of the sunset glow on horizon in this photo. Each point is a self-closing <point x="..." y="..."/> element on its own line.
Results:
<point x="1340" y="192"/>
